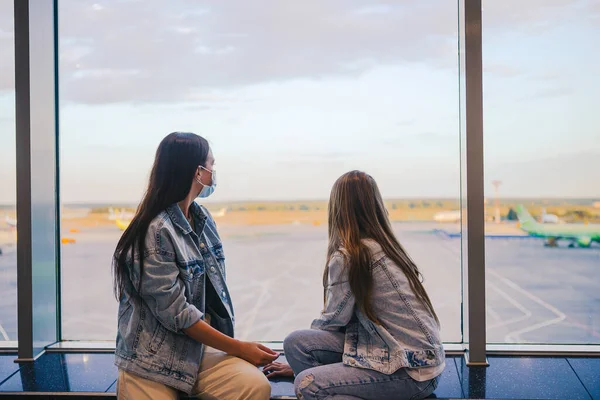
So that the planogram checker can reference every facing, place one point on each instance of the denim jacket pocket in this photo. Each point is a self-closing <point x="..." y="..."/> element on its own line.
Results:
<point x="218" y="251"/>
<point x="187" y="275"/>
<point x="219" y="256"/>
<point x="191" y="270"/>
<point x="158" y="339"/>
<point x="377" y="348"/>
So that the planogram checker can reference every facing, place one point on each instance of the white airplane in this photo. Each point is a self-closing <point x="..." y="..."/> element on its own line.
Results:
<point x="447" y="216"/>
<point x="74" y="213"/>
<point x="549" y="218"/>
<point x="220" y="213"/>
<point x="11" y="222"/>
<point x="119" y="214"/>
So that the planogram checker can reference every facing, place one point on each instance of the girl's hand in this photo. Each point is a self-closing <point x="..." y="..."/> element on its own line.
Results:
<point x="256" y="353"/>
<point x="278" y="369"/>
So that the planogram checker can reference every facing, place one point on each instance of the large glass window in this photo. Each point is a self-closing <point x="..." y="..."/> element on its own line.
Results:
<point x="290" y="95"/>
<point x="8" y="221"/>
<point x="542" y="153"/>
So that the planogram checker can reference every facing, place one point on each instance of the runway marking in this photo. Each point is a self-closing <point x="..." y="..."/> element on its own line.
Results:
<point x="515" y="335"/>
<point x="586" y="328"/>
<point x="249" y="321"/>
<point x="3" y="333"/>
<point x="493" y="313"/>
<point x="526" y="313"/>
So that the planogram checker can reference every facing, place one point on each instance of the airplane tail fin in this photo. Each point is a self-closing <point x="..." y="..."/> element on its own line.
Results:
<point x="525" y="219"/>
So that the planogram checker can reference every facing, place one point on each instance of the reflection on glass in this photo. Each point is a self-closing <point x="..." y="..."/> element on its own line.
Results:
<point x="54" y="372"/>
<point x="43" y="174"/>
<point x="287" y="110"/>
<point x="542" y="171"/>
<point x="8" y="195"/>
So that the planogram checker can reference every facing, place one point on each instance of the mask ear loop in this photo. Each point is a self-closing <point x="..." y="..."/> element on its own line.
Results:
<point x="198" y="177"/>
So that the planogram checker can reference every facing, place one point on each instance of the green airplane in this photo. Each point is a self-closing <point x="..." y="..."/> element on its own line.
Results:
<point x="581" y="234"/>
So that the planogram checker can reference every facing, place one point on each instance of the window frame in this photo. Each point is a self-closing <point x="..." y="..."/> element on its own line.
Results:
<point x="474" y="344"/>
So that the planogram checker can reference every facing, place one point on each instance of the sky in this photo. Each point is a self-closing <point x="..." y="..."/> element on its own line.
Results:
<point x="293" y="94"/>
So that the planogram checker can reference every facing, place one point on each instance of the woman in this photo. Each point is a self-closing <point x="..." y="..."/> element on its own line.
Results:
<point x="175" y="322"/>
<point x="378" y="336"/>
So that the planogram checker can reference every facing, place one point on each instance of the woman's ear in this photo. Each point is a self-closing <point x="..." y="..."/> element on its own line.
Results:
<point x="198" y="176"/>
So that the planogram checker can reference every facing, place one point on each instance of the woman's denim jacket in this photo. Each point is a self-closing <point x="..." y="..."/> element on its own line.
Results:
<point x="407" y="334"/>
<point x="177" y="266"/>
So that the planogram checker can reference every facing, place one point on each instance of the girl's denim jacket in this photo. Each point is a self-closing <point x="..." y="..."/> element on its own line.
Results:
<point x="407" y="335"/>
<point x="178" y="265"/>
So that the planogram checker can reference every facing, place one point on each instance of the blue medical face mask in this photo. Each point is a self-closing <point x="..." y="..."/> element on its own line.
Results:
<point x="208" y="190"/>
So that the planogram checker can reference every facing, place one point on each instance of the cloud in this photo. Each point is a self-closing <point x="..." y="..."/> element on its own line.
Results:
<point x="198" y="107"/>
<point x="533" y="16"/>
<point x="549" y="92"/>
<point x="410" y="139"/>
<point x="161" y="55"/>
<point x="567" y="175"/>
<point x="317" y="156"/>
<point x="406" y="122"/>
<point x="120" y="51"/>
<point x="7" y="49"/>
<point x="554" y="92"/>
<point x="502" y="70"/>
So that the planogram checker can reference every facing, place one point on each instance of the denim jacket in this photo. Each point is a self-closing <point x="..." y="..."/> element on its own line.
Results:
<point x="408" y="335"/>
<point x="177" y="267"/>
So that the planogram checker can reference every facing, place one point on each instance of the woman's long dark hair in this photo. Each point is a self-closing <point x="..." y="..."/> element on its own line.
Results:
<point x="356" y="212"/>
<point x="177" y="159"/>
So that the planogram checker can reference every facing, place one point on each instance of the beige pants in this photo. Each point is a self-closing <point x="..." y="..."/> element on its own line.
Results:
<point x="221" y="377"/>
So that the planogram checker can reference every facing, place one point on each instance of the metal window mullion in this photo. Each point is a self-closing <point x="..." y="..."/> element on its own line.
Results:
<point x="23" y="155"/>
<point x="57" y="179"/>
<point x="35" y="104"/>
<point x="475" y="184"/>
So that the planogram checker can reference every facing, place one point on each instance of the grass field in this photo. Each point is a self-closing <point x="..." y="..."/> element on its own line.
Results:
<point x="78" y="217"/>
<point x="279" y="212"/>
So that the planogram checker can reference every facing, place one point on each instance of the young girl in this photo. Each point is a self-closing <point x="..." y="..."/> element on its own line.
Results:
<point x="175" y="323"/>
<point x="378" y="336"/>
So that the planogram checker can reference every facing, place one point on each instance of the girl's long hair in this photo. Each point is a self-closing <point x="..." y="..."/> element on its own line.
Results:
<point x="357" y="212"/>
<point x="177" y="159"/>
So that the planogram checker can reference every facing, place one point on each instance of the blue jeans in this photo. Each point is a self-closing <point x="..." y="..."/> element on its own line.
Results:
<point x="316" y="359"/>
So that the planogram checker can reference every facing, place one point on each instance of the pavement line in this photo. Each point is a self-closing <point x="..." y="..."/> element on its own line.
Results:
<point x="560" y="316"/>
<point x="526" y="313"/>
<point x="3" y="333"/>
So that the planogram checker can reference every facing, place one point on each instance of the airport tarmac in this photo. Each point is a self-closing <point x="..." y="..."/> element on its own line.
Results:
<point x="534" y="293"/>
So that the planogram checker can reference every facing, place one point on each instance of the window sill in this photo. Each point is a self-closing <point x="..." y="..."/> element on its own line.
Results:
<point x="451" y="348"/>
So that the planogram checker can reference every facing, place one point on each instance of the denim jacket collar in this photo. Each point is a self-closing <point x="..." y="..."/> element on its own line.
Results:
<point x="179" y="220"/>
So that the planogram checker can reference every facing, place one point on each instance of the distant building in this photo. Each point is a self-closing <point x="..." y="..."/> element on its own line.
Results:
<point x="447" y="216"/>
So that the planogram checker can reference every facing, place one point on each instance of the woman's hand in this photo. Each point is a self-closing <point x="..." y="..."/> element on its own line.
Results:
<point x="256" y="353"/>
<point x="278" y="369"/>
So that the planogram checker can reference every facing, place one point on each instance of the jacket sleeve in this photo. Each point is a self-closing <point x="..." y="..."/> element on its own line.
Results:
<point x="340" y="302"/>
<point x="163" y="289"/>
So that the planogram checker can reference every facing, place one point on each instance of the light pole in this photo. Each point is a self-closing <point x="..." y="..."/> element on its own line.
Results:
<point x="497" y="184"/>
